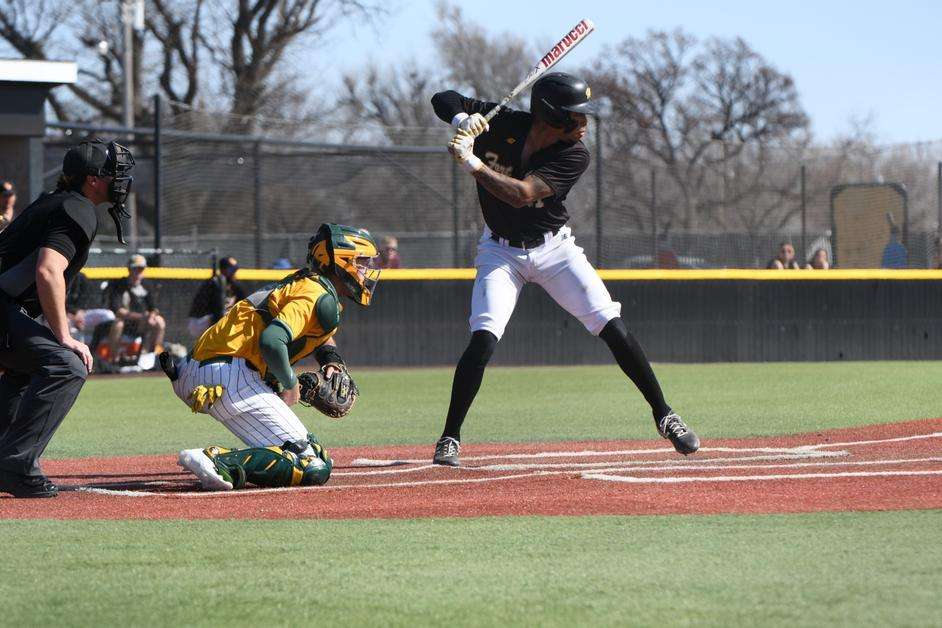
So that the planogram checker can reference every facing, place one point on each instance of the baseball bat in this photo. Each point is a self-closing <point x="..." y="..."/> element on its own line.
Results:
<point x="573" y="38"/>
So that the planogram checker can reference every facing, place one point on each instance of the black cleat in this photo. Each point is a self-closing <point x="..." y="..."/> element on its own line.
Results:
<point x="27" y="486"/>
<point x="446" y="452"/>
<point x="673" y="428"/>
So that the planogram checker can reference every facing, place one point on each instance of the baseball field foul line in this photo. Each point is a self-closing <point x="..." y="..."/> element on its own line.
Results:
<point x="755" y="478"/>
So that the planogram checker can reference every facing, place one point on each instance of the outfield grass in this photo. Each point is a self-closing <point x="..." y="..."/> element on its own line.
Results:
<point x="821" y="569"/>
<point x="141" y="416"/>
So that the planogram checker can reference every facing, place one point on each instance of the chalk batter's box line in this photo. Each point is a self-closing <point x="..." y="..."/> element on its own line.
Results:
<point x="804" y="451"/>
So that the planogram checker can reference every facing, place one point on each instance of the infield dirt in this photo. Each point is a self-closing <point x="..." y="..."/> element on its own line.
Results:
<point x="881" y="467"/>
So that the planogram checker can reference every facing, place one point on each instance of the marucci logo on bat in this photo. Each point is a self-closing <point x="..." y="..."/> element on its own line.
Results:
<point x="567" y="42"/>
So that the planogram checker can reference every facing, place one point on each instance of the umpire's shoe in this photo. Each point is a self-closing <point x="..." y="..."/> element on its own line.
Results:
<point x="27" y="486"/>
<point x="673" y="428"/>
<point x="446" y="452"/>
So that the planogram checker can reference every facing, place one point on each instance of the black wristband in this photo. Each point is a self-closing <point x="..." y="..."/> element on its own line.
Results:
<point x="327" y="354"/>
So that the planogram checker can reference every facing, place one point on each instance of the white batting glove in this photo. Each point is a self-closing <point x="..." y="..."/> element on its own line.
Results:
<point x="461" y="148"/>
<point x="475" y="124"/>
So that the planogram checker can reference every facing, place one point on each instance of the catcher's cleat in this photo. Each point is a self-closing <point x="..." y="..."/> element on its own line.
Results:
<point x="446" y="452"/>
<point x="202" y="466"/>
<point x="673" y="428"/>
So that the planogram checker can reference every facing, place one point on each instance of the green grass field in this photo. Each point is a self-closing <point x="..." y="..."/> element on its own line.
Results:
<point x="814" y="569"/>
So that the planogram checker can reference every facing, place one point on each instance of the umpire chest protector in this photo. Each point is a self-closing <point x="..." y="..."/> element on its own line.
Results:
<point x="63" y="221"/>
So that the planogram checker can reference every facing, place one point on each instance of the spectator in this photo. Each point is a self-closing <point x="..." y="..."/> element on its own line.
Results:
<point x="819" y="261"/>
<point x="894" y="253"/>
<point x="136" y="314"/>
<point x="666" y="256"/>
<point x="82" y="307"/>
<point x="215" y="296"/>
<point x="7" y="203"/>
<point x="785" y="258"/>
<point x="389" y="253"/>
<point x="282" y="263"/>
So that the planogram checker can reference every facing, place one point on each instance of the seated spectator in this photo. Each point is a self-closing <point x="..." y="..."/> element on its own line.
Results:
<point x="136" y="314"/>
<point x="214" y="297"/>
<point x="7" y="203"/>
<point x="82" y="303"/>
<point x="389" y="253"/>
<point x="785" y="258"/>
<point x="819" y="261"/>
<point x="282" y="263"/>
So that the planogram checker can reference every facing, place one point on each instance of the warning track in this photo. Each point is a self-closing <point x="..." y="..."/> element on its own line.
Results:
<point x="896" y="466"/>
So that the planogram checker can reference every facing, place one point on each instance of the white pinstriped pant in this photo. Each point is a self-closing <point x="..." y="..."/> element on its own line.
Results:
<point x="248" y="407"/>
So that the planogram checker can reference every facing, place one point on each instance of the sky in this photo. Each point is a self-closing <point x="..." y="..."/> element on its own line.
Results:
<point x="850" y="60"/>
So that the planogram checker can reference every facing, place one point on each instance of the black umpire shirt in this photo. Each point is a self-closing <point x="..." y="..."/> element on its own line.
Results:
<point x="501" y="148"/>
<point x="63" y="221"/>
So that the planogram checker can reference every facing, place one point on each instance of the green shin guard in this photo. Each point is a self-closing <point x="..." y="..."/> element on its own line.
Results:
<point x="272" y="466"/>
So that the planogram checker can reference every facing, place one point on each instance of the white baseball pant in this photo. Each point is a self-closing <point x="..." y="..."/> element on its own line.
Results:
<point x="248" y="407"/>
<point x="558" y="265"/>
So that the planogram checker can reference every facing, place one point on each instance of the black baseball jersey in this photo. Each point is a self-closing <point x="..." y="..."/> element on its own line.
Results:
<point x="139" y="298"/>
<point x="215" y="296"/>
<point x="63" y="221"/>
<point x="501" y="149"/>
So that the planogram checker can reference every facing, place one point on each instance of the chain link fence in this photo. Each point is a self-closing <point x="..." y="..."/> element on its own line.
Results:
<point x="256" y="189"/>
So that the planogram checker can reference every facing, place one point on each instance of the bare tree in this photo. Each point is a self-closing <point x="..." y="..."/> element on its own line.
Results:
<point x="31" y="29"/>
<point x="486" y="66"/>
<point x="178" y="27"/>
<point x="394" y="101"/>
<point x="189" y="48"/>
<point x="475" y="62"/>
<point x="706" y="116"/>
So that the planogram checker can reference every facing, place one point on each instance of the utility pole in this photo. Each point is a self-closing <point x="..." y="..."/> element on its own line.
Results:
<point x="132" y="18"/>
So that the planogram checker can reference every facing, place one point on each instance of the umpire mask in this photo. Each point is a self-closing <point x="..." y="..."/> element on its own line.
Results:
<point x="98" y="159"/>
<point x="119" y="165"/>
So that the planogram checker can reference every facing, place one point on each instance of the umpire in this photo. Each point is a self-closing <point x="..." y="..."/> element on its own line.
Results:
<point x="40" y="252"/>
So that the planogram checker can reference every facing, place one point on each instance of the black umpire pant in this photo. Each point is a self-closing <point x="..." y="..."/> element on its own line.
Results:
<point x="41" y="382"/>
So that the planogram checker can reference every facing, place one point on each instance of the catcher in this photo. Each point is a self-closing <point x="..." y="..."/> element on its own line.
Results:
<point x="239" y="371"/>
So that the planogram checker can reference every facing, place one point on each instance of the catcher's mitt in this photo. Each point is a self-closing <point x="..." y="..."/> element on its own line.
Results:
<point x="334" y="395"/>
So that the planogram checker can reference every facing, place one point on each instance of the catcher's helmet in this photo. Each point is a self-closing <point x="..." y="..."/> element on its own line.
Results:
<point x="346" y="253"/>
<point x="558" y="94"/>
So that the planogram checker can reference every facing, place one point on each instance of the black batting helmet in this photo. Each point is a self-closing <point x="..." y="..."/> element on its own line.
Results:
<point x="558" y="94"/>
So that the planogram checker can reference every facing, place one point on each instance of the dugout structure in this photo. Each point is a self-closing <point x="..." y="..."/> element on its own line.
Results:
<point x="24" y="86"/>
<point x="869" y="220"/>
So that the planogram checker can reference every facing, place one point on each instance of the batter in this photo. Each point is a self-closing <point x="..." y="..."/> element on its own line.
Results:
<point x="525" y="164"/>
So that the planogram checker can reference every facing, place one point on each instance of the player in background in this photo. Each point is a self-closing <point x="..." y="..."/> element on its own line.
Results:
<point x="240" y="369"/>
<point x="525" y="164"/>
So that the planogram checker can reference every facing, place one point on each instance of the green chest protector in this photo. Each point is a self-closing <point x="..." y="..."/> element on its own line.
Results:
<point x="326" y="309"/>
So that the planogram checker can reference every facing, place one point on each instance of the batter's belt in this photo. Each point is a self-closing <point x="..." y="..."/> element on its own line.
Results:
<point x="525" y="244"/>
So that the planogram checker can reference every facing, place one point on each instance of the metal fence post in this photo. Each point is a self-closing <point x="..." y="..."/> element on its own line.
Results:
<point x="804" y="213"/>
<point x="654" y="218"/>
<point x="455" y="222"/>
<point x="598" y="191"/>
<point x="257" y="200"/>
<point x="158" y="173"/>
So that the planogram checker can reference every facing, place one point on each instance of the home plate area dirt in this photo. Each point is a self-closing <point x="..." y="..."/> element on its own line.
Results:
<point x="880" y="467"/>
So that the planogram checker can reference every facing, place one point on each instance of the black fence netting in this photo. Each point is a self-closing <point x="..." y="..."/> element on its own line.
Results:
<point x="256" y="189"/>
